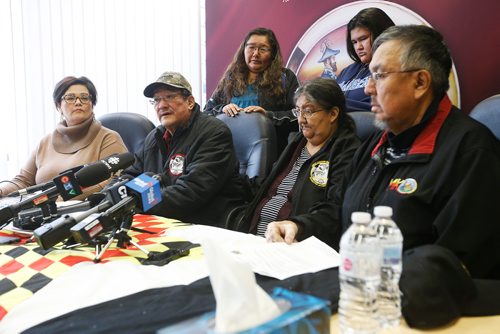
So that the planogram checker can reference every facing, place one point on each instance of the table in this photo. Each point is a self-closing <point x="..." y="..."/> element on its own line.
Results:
<point x="464" y="325"/>
<point x="132" y="300"/>
<point x="26" y="268"/>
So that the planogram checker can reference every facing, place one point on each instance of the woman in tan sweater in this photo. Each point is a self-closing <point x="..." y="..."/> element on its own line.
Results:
<point x="78" y="139"/>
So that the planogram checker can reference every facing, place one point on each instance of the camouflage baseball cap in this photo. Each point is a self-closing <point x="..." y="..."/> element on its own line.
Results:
<point x="173" y="79"/>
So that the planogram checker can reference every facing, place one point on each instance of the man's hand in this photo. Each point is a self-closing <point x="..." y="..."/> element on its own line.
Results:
<point x="282" y="231"/>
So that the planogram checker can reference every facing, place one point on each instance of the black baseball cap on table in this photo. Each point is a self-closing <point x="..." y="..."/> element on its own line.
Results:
<point x="437" y="289"/>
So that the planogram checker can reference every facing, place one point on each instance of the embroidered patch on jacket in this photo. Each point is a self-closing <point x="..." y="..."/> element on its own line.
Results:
<point x="176" y="164"/>
<point x="403" y="186"/>
<point x="319" y="173"/>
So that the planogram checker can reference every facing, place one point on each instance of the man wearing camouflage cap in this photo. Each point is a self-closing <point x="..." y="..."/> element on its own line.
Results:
<point x="192" y="152"/>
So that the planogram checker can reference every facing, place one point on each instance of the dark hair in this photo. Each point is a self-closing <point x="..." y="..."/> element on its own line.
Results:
<point x="269" y="82"/>
<point x="422" y="48"/>
<point x="63" y="85"/>
<point x="326" y="93"/>
<point x="374" y="19"/>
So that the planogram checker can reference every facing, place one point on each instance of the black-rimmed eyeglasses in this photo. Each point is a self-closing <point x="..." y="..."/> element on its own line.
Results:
<point x="71" y="98"/>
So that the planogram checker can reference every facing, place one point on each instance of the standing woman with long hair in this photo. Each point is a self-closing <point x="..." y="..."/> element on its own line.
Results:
<point x="256" y="81"/>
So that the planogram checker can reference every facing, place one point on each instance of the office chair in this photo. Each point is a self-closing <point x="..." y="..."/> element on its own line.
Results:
<point x="488" y="113"/>
<point x="254" y="139"/>
<point x="364" y="123"/>
<point x="132" y="127"/>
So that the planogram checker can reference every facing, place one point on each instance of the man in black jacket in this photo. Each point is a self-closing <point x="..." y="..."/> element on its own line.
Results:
<point x="436" y="167"/>
<point x="192" y="152"/>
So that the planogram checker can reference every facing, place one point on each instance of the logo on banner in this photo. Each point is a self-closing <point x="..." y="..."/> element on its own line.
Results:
<point x="176" y="165"/>
<point x="322" y="51"/>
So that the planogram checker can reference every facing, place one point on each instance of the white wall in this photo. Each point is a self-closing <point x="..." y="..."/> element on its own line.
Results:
<point x="121" y="45"/>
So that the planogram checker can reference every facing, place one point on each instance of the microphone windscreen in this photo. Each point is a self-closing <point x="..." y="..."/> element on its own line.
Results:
<point x="96" y="198"/>
<point x="92" y="174"/>
<point x="120" y="161"/>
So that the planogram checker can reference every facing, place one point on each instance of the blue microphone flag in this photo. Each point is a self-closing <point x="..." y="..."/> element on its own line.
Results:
<point x="149" y="190"/>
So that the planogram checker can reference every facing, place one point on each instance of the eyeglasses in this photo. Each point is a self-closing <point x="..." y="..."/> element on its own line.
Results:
<point x="305" y="113"/>
<point x="376" y="76"/>
<point x="260" y="49"/>
<point x="71" y="98"/>
<point x="166" y="98"/>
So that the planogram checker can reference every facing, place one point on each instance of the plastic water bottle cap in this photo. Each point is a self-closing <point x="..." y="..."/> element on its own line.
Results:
<point x="382" y="211"/>
<point x="360" y="217"/>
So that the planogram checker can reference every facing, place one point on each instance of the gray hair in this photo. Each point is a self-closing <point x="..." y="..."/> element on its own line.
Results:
<point x="422" y="48"/>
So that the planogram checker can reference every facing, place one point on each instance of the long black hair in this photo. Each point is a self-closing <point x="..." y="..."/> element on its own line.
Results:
<point x="374" y="19"/>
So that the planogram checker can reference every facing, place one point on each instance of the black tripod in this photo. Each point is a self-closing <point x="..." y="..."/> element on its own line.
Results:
<point x="120" y="234"/>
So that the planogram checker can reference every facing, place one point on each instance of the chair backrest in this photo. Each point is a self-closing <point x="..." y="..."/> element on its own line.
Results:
<point x="254" y="139"/>
<point x="488" y="113"/>
<point x="364" y="123"/>
<point x="132" y="127"/>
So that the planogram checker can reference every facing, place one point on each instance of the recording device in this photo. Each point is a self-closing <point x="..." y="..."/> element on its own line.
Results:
<point x="137" y="195"/>
<point x="87" y="176"/>
<point x="113" y="163"/>
<point x="33" y="218"/>
<point x="56" y="231"/>
<point x="42" y="186"/>
<point x="96" y="224"/>
<point x="69" y="185"/>
<point x="123" y="200"/>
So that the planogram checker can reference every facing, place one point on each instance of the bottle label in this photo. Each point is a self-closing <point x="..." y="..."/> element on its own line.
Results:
<point x="392" y="254"/>
<point x="360" y="264"/>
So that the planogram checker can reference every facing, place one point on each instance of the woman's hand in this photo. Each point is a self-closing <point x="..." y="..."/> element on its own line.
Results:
<point x="282" y="231"/>
<point x="251" y="109"/>
<point x="231" y="109"/>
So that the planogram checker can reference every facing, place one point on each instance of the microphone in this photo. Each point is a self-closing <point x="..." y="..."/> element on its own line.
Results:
<point x="36" y="213"/>
<point x="85" y="177"/>
<point x="32" y="189"/>
<point x="123" y="198"/>
<point x="114" y="163"/>
<point x="41" y="186"/>
<point x="56" y="231"/>
<point x="117" y="162"/>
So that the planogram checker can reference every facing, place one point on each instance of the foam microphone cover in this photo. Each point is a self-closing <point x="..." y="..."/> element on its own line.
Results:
<point x="118" y="162"/>
<point x="96" y="198"/>
<point x="92" y="174"/>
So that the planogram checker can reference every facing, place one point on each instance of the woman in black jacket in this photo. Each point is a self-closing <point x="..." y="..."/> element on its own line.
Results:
<point x="310" y="168"/>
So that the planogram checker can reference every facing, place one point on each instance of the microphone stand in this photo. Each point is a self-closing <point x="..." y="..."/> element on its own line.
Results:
<point x="122" y="237"/>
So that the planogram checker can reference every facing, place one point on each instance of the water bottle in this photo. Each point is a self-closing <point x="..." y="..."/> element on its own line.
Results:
<point x="391" y="242"/>
<point x="359" y="273"/>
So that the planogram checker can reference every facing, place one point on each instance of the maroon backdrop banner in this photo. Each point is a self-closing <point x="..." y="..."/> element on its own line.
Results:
<point x="470" y="28"/>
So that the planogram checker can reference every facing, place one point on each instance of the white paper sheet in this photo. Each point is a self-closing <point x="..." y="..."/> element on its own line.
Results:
<point x="277" y="260"/>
